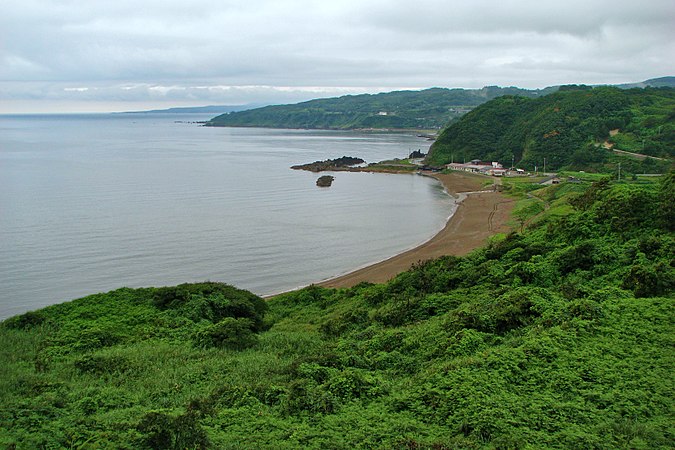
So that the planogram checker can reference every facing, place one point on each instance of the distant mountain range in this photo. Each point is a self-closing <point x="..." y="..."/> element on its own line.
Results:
<point x="654" y="82"/>
<point x="428" y="109"/>
<point x="211" y="109"/>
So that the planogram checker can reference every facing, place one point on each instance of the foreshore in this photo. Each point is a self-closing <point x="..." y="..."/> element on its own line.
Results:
<point x="478" y="216"/>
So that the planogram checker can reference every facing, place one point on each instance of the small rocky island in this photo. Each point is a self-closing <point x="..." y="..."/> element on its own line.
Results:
<point x="325" y="181"/>
<point x="330" y="164"/>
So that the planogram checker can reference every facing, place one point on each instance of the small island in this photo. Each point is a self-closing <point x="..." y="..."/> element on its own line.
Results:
<point x="325" y="181"/>
<point x="352" y="164"/>
<point x="342" y="163"/>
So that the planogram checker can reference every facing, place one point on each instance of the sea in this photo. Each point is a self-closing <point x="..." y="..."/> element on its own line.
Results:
<point x="94" y="202"/>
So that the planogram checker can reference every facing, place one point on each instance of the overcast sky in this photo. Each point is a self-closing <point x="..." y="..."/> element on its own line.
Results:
<point x="113" y="55"/>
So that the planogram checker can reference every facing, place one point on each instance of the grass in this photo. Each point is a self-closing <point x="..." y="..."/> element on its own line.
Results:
<point x="584" y="176"/>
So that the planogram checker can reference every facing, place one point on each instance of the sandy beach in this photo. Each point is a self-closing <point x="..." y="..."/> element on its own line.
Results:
<point x="478" y="216"/>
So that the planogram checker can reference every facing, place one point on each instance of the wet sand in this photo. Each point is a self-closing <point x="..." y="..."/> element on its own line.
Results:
<point x="478" y="216"/>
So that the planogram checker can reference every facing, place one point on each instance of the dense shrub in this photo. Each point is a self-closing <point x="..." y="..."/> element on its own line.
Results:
<point x="230" y="333"/>
<point x="102" y="364"/>
<point x="650" y="280"/>
<point x="212" y="301"/>
<point x="162" y="431"/>
<point x="25" y="321"/>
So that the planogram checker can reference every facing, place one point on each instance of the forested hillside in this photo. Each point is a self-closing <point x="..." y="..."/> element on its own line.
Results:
<point x="426" y="109"/>
<point x="567" y="128"/>
<point x="559" y="336"/>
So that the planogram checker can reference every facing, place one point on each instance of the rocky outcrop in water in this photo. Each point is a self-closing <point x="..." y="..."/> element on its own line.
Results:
<point x="330" y="164"/>
<point x="325" y="181"/>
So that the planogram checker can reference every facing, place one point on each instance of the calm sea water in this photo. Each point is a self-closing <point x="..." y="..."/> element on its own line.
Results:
<point x="90" y="203"/>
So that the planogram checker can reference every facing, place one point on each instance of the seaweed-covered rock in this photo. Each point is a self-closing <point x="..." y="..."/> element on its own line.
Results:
<point x="325" y="181"/>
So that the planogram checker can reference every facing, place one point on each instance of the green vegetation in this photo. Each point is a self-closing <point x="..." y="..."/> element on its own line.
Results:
<point x="422" y="110"/>
<point x="559" y="336"/>
<point x="567" y="129"/>
<point x="393" y="165"/>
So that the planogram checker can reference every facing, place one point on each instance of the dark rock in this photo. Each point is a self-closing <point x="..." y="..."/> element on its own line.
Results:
<point x="325" y="181"/>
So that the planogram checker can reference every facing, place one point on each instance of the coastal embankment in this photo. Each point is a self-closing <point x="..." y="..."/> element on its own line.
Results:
<point x="478" y="216"/>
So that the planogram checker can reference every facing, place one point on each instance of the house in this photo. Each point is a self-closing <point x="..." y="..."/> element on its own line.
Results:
<point x="475" y="166"/>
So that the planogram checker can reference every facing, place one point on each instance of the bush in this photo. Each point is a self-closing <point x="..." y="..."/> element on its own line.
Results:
<point x="25" y="321"/>
<point x="580" y="257"/>
<point x="100" y="364"/>
<point x="162" y="431"/>
<point x="95" y="338"/>
<point x="347" y="321"/>
<point x="212" y="301"/>
<point x="586" y="309"/>
<point x="231" y="333"/>
<point x="305" y="396"/>
<point x="650" y="280"/>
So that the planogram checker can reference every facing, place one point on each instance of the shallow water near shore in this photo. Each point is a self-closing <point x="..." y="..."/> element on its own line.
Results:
<point x="90" y="203"/>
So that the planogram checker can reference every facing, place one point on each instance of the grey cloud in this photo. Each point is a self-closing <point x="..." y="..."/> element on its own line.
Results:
<point x="574" y="17"/>
<point x="199" y="45"/>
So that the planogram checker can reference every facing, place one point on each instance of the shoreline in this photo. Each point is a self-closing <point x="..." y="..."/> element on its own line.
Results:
<point x="479" y="215"/>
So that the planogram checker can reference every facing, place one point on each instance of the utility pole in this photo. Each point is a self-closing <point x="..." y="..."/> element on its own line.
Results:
<point x="512" y="159"/>
<point x="544" y="166"/>
<point x="619" y="178"/>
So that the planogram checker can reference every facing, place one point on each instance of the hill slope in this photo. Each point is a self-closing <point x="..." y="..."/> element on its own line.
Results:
<point x="559" y="337"/>
<point x="427" y="109"/>
<point x="564" y="127"/>
<point x="653" y="82"/>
